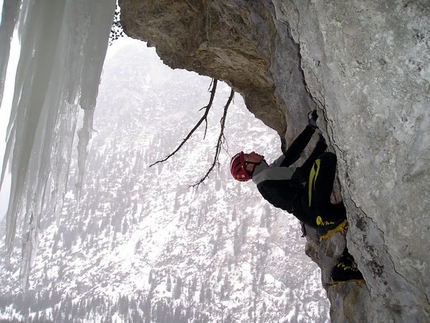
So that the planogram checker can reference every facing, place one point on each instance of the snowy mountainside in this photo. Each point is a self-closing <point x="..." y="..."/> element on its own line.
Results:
<point x="141" y="244"/>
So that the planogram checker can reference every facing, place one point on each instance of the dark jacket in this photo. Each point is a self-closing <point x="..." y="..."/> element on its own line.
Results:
<point x="281" y="184"/>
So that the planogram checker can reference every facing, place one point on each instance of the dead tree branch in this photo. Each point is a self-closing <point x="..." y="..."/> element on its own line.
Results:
<point x="203" y="118"/>
<point x="220" y="139"/>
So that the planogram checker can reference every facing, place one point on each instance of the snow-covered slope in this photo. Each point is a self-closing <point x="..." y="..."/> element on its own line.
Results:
<point x="138" y="243"/>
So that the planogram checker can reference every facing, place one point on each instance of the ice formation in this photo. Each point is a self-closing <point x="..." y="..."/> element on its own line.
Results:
<point x="62" y="48"/>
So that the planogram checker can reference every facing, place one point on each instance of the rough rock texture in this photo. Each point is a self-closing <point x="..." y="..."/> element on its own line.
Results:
<point x="365" y="66"/>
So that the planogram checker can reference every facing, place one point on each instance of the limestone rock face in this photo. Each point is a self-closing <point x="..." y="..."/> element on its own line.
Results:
<point x="365" y="66"/>
<point x="234" y="41"/>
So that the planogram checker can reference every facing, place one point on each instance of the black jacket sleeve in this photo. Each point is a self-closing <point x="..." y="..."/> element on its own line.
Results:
<point x="296" y="148"/>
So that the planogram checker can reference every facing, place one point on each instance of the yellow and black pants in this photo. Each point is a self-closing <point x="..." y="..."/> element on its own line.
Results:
<point x="315" y="200"/>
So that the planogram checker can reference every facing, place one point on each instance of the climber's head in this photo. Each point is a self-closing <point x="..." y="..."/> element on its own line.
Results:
<point x="242" y="165"/>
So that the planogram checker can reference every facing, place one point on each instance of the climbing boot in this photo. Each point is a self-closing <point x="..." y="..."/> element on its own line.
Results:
<point x="326" y="229"/>
<point x="345" y="271"/>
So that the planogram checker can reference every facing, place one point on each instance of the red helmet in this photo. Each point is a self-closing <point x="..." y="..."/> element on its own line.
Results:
<point x="237" y="167"/>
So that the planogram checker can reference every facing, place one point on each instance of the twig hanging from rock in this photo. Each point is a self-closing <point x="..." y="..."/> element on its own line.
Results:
<point x="203" y="118"/>
<point x="220" y="140"/>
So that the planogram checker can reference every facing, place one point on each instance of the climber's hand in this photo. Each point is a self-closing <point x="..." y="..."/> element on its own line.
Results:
<point x="312" y="119"/>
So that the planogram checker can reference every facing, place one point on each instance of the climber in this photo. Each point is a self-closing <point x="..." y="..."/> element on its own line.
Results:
<point x="303" y="191"/>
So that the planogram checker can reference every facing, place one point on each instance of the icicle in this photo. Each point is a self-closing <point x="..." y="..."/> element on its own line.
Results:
<point x="63" y="45"/>
<point x="85" y="136"/>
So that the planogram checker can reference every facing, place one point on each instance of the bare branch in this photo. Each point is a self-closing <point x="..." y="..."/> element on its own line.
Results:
<point x="220" y="139"/>
<point x="203" y="118"/>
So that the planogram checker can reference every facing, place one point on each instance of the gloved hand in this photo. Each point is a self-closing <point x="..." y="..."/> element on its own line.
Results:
<point x="312" y="119"/>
